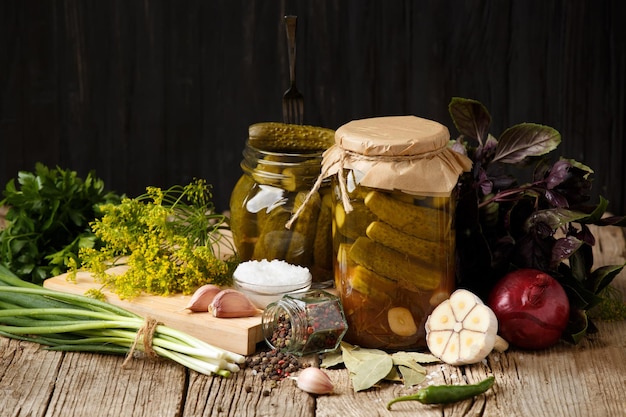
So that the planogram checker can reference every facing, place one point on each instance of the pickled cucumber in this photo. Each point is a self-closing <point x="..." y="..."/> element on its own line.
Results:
<point x="371" y="284"/>
<point x="300" y="250"/>
<point x="243" y="224"/>
<point x="410" y="273"/>
<point x="282" y="137"/>
<point x="322" y="245"/>
<point x="427" y="251"/>
<point x="423" y="222"/>
<point x="274" y="239"/>
<point x="353" y="224"/>
<point x="300" y="177"/>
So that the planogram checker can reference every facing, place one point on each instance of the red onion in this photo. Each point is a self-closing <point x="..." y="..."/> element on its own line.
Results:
<point x="532" y="308"/>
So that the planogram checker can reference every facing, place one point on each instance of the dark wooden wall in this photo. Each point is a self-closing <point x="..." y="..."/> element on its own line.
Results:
<point x="157" y="92"/>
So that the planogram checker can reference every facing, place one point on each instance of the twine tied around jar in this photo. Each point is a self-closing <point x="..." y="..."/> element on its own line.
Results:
<point x="336" y="159"/>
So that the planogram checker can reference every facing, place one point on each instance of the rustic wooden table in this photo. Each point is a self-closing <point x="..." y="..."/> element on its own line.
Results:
<point x="583" y="380"/>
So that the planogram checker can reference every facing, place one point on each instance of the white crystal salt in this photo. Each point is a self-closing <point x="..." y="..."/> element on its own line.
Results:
<point x="271" y="273"/>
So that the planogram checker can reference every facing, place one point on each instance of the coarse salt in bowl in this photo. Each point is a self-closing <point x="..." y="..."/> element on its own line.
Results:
<point x="267" y="281"/>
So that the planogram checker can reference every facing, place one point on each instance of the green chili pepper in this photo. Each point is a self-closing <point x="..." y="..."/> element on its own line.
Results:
<point x="445" y="394"/>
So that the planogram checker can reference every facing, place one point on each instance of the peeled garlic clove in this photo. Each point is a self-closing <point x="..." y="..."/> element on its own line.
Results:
<point x="401" y="321"/>
<point x="314" y="381"/>
<point x="202" y="298"/>
<point x="232" y="303"/>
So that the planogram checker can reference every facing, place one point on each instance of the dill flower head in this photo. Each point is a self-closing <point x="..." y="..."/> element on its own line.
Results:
<point x="165" y="237"/>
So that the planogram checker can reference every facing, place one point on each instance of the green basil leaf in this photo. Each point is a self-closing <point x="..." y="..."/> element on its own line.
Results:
<point x="577" y="326"/>
<point x="604" y="275"/>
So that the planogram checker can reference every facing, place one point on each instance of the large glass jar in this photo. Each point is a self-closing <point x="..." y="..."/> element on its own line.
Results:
<point x="280" y="165"/>
<point x="393" y="224"/>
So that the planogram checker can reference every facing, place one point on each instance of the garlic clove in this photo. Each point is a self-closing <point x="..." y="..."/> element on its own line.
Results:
<point x="202" y="298"/>
<point x="314" y="381"/>
<point x="231" y="303"/>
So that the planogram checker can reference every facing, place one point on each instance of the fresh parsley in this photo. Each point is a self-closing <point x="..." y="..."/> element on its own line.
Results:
<point x="47" y="222"/>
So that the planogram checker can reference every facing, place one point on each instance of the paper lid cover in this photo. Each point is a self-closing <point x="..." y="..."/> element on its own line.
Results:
<point x="405" y="153"/>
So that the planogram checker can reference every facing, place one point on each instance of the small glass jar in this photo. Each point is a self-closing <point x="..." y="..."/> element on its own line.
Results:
<point x="276" y="180"/>
<point x="393" y="224"/>
<point x="305" y="323"/>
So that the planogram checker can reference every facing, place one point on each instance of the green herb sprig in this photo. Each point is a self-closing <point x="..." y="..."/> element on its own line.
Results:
<point x="169" y="239"/>
<point x="503" y="223"/>
<point x="49" y="211"/>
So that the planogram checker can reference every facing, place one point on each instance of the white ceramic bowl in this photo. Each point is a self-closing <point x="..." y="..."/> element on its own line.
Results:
<point x="263" y="295"/>
<point x="257" y="283"/>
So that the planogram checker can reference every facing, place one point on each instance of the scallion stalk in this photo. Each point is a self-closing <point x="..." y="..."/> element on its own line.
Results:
<point x="69" y="322"/>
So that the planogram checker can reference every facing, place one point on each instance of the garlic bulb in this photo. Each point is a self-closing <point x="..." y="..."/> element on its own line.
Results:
<point x="461" y="330"/>
<point x="314" y="381"/>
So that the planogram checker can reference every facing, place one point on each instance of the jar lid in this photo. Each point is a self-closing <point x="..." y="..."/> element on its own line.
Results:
<point x="392" y="136"/>
<point x="405" y="153"/>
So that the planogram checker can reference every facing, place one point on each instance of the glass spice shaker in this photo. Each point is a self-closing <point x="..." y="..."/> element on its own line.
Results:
<point x="280" y="164"/>
<point x="304" y="323"/>
<point x="393" y="226"/>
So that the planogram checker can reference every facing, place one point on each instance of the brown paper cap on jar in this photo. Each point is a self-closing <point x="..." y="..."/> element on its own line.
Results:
<point x="405" y="153"/>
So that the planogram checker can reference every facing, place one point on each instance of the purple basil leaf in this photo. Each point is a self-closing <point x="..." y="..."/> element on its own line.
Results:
<point x="526" y="140"/>
<point x="558" y="173"/>
<point x="576" y="186"/>
<point x="541" y="170"/>
<point x="486" y="186"/>
<point x="583" y="234"/>
<point x="458" y="147"/>
<point x="612" y="221"/>
<point x="555" y="199"/>
<point x="485" y="153"/>
<point x="563" y="248"/>
<point x="470" y="117"/>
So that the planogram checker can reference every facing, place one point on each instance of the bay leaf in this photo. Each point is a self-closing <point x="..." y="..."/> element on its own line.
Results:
<point x="410" y="376"/>
<point x="393" y="375"/>
<point x="370" y="372"/>
<point x="331" y="359"/>
<point x="404" y="359"/>
<point x="349" y="360"/>
<point x="420" y="357"/>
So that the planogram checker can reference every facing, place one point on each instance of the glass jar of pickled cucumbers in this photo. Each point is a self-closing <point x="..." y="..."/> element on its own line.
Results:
<point x="281" y="162"/>
<point x="393" y="226"/>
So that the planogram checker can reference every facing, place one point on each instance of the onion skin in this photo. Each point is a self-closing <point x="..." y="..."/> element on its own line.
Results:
<point x="532" y="308"/>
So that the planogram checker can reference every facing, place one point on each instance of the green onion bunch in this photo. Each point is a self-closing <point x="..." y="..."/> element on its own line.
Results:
<point x="69" y="322"/>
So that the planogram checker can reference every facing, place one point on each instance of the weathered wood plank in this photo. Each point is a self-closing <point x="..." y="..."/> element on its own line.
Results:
<point x="27" y="377"/>
<point x="97" y="385"/>
<point x="245" y="395"/>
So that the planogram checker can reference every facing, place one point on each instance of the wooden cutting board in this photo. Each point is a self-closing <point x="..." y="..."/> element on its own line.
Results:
<point x="239" y="335"/>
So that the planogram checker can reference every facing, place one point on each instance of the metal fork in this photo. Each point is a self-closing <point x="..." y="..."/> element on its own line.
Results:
<point x="293" y="100"/>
